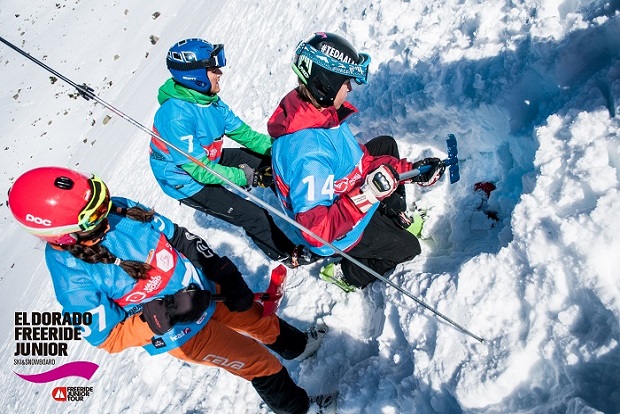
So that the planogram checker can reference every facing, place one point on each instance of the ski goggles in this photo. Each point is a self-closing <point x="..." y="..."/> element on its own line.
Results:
<point x="97" y="208"/>
<point x="356" y="71"/>
<point x="217" y="59"/>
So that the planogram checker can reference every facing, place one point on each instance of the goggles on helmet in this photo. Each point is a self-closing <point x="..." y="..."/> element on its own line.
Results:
<point x="217" y="59"/>
<point x="98" y="206"/>
<point x="355" y="71"/>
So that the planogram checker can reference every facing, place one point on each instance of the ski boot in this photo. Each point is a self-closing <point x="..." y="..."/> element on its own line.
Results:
<point x="300" y="256"/>
<point x="323" y="404"/>
<point x="413" y="223"/>
<point x="332" y="273"/>
<point x="314" y="338"/>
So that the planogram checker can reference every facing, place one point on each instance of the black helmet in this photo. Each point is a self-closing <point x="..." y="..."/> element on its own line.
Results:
<point x="325" y="61"/>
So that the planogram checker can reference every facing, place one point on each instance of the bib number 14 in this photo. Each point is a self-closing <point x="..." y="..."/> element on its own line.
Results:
<point x="326" y="190"/>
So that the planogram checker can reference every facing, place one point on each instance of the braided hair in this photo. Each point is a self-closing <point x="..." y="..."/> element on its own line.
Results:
<point x="98" y="253"/>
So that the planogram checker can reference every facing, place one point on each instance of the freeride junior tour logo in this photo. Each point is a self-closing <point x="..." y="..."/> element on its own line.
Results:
<point x="41" y="337"/>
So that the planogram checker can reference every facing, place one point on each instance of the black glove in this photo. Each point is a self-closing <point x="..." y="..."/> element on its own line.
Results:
<point x="261" y="177"/>
<point x="186" y="305"/>
<point x="238" y="295"/>
<point x="431" y="176"/>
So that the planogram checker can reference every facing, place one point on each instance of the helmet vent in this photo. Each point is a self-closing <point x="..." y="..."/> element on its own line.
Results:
<point x="64" y="183"/>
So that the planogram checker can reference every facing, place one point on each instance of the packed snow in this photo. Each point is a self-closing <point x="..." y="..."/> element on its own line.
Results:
<point x="531" y="90"/>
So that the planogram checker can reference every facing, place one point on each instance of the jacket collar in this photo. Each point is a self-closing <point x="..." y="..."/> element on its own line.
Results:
<point x="294" y="114"/>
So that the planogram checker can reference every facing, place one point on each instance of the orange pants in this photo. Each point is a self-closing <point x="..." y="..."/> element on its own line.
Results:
<point x="223" y="343"/>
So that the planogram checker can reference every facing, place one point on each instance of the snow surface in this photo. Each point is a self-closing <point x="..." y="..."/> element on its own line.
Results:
<point x="531" y="89"/>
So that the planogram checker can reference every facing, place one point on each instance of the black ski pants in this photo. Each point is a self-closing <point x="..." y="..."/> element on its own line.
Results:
<point x="217" y="201"/>
<point x="383" y="244"/>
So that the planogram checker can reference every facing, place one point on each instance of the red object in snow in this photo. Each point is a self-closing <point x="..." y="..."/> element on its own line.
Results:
<point x="272" y="296"/>
<point x="486" y="187"/>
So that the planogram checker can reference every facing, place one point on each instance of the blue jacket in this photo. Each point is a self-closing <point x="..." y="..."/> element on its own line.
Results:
<point x="317" y="162"/>
<point x="111" y="295"/>
<point x="196" y="124"/>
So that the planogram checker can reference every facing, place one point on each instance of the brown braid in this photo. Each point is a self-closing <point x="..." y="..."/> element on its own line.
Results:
<point x="100" y="254"/>
<point x="139" y="214"/>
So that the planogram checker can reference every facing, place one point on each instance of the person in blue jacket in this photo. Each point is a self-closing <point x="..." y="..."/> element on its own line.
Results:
<point x="150" y="283"/>
<point x="345" y="192"/>
<point x="193" y="118"/>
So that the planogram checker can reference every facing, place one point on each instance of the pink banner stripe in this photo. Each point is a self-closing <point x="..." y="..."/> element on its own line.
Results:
<point x="82" y="369"/>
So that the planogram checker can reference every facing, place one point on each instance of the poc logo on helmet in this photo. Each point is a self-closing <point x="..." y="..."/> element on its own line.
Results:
<point x="38" y="220"/>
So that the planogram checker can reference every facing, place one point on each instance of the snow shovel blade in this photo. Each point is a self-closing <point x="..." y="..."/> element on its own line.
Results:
<point x="272" y="296"/>
<point x="452" y="161"/>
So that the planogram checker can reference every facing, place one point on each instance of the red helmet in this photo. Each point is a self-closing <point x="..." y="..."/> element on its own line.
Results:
<point x="54" y="203"/>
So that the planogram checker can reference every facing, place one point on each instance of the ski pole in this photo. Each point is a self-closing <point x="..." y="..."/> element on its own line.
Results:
<point x="262" y="296"/>
<point x="88" y="93"/>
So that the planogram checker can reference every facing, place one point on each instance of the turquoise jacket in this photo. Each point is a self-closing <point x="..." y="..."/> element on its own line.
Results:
<point x="196" y="124"/>
<point x="111" y="295"/>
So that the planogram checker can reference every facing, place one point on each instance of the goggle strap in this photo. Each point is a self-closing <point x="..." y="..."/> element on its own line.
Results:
<point x="356" y="71"/>
<point x="186" y="66"/>
<point x="299" y="74"/>
<point x="99" y="196"/>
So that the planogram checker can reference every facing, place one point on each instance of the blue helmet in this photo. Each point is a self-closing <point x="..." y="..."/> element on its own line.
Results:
<point x="189" y="59"/>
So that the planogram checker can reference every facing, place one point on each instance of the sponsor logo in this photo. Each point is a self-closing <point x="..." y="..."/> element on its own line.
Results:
<point x="158" y="343"/>
<point x="214" y="150"/>
<point x="180" y="334"/>
<point x="59" y="393"/>
<point x="305" y="66"/>
<point x="345" y="184"/>
<point x="38" y="220"/>
<point x="202" y="318"/>
<point x="63" y="394"/>
<point x="159" y="275"/>
<point x="336" y="54"/>
<point x="223" y="362"/>
<point x="152" y="285"/>
<point x="164" y="260"/>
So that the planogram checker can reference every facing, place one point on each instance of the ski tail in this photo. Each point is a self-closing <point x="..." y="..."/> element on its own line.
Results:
<point x="271" y="298"/>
